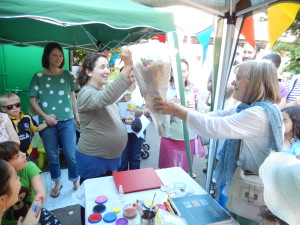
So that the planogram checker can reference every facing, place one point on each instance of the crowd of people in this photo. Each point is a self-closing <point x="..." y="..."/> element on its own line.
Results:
<point x="260" y="116"/>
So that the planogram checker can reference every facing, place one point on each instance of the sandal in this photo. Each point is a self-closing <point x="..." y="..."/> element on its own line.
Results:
<point x="55" y="192"/>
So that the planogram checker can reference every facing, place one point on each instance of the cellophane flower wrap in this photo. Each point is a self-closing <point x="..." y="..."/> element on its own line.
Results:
<point x="151" y="67"/>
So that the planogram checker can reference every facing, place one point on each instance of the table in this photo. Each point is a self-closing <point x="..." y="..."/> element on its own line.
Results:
<point x="92" y="188"/>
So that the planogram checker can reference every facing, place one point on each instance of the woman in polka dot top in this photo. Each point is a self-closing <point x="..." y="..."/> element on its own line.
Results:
<point x="52" y="97"/>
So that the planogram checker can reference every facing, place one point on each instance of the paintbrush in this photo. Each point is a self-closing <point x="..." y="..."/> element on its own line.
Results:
<point x="152" y="203"/>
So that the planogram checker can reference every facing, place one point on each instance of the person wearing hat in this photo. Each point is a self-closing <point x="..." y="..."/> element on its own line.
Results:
<point x="281" y="178"/>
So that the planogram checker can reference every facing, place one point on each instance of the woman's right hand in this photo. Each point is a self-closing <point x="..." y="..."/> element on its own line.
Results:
<point x="51" y="120"/>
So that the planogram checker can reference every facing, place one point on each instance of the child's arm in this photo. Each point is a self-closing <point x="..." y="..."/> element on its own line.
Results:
<point x="33" y="215"/>
<point x="12" y="132"/>
<point x="42" y="126"/>
<point x="38" y="187"/>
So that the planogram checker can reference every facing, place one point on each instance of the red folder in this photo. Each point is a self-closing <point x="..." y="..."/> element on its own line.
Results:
<point x="137" y="180"/>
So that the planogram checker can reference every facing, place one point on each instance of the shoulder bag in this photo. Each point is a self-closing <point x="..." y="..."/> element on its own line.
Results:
<point x="246" y="195"/>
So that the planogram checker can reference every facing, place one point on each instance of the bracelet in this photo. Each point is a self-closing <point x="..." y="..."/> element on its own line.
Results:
<point x="47" y="124"/>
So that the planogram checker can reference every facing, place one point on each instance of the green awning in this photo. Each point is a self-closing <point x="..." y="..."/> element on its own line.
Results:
<point x="78" y="24"/>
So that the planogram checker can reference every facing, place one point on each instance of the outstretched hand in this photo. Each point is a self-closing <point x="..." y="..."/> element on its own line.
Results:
<point x="170" y="108"/>
<point x="164" y="107"/>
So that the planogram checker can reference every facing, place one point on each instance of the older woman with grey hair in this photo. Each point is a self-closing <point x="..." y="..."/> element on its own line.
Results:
<point x="256" y="121"/>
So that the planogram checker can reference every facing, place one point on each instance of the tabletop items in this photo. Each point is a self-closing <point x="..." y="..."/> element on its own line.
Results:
<point x="156" y="206"/>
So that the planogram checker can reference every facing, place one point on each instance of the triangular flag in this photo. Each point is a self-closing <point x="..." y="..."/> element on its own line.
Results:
<point x="114" y="58"/>
<point x="248" y="31"/>
<point x="280" y="18"/>
<point x="204" y="38"/>
<point x="161" y="38"/>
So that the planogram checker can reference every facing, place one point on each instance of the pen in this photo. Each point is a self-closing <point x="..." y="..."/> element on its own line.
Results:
<point x="174" y="208"/>
<point x="167" y="204"/>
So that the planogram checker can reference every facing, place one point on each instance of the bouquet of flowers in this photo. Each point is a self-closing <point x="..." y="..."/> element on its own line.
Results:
<point x="151" y="67"/>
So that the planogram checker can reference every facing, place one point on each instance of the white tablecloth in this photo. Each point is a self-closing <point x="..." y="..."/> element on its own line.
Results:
<point x="92" y="188"/>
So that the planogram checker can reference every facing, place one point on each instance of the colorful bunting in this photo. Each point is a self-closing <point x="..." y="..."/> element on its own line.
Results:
<point x="280" y="17"/>
<point x="248" y="31"/>
<point x="161" y="38"/>
<point x="114" y="58"/>
<point x="204" y="38"/>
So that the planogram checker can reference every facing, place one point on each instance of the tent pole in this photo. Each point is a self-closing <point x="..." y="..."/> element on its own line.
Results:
<point x="176" y="65"/>
<point x="227" y="55"/>
<point x="216" y="62"/>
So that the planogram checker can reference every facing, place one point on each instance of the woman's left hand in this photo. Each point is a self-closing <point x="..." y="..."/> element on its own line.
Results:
<point x="77" y="120"/>
<point x="127" y="59"/>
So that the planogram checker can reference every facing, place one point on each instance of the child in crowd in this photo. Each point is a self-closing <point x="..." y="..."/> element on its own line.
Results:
<point x="291" y="119"/>
<point x="24" y="125"/>
<point x="32" y="187"/>
<point x="10" y="186"/>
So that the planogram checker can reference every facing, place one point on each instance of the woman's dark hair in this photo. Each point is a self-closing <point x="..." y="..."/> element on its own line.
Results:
<point x="8" y="149"/>
<point x="267" y="215"/>
<point x="88" y="64"/>
<point x="5" y="171"/>
<point x="294" y="114"/>
<point x="186" y="83"/>
<point x="47" y="50"/>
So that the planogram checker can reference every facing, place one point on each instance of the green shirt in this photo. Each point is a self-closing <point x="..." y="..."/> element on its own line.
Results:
<point x="26" y="195"/>
<point x="54" y="94"/>
<point x="176" y="126"/>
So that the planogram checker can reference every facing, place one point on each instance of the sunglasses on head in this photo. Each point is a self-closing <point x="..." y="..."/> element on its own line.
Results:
<point x="10" y="107"/>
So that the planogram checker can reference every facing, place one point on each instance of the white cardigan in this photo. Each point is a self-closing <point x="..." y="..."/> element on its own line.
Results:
<point x="251" y="125"/>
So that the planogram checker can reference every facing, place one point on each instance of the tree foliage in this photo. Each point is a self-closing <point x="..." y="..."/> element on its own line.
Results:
<point x="79" y="56"/>
<point x="291" y="49"/>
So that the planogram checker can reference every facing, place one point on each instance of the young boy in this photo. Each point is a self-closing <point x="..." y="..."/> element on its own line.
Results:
<point x="24" y="125"/>
<point x="32" y="187"/>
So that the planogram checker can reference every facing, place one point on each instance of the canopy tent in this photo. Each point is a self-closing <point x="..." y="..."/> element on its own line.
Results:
<point x="90" y="25"/>
<point x="231" y="16"/>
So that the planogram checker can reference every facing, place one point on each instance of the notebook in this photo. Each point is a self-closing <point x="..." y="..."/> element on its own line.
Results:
<point x="137" y="180"/>
<point x="200" y="209"/>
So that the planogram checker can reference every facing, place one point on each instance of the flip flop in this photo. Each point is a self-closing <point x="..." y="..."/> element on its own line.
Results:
<point x="53" y="190"/>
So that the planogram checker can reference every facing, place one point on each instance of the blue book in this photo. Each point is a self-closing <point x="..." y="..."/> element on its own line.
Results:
<point x="200" y="209"/>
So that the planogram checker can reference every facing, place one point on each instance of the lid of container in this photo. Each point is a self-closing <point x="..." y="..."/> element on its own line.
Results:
<point x="122" y="221"/>
<point x="110" y="217"/>
<point x="99" y="208"/>
<point x="95" y="218"/>
<point x="101" y="199"/>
